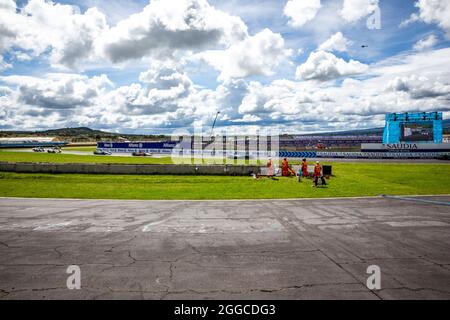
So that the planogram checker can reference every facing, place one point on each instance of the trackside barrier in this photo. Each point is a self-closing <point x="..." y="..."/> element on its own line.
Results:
<point x="290" y="154"/>
<point x="181" y="169"/>
<point x="297" y="154"/>
<point x="382" y="155"/>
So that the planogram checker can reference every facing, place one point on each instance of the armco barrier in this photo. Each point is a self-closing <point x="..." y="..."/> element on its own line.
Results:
<point x="182" y="169"/>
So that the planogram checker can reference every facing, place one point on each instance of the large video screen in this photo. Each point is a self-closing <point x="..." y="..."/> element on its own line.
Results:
<point x="415" y="132"/>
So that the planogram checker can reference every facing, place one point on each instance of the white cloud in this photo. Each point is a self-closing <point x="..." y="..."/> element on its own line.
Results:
<point x="22" y="56"/>
<point x="165" y="75"/>
<point x="164" y="26"/>
<point x="165" y="86"/>
<point x="116" y="10"/>
<point x="167" y="99"/>
<point x="428" y="64"/>
<point x="300" y="11"/>
<point x="78" y="41"/>
<point x="58" y="91"/>
<point x="7" y="28"/>
<point x="336" y="42"/>
<point x="425" y="43"/>
<point x="256" y="55"/>
<point x="41" y="25"/>
<point x="52" y="100"/>
<point x="354" y="10"/>
<point x="4" y="65"/>
<point x="159" y="30"/>
<point x="435" y="11"/>
<point x="353" y="102"/>
<point x="248" y="118"/>
<point x="413" y="18"/>
<point x="281" y="96"/>
<point x="324" y="66"/>
<point x="419" y="87"/>
<point x="7" y="4"/>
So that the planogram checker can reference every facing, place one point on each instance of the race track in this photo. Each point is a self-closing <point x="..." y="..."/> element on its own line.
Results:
<point x="295" y="249"/>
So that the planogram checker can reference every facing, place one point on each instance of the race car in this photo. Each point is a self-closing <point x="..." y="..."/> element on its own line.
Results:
<point x="141" y="154"/>
<point x="54" y="150"/>
<point x="102" y="153"/>
<point x="38" y="149"/>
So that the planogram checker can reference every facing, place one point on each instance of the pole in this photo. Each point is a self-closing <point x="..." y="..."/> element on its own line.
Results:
<point x="214" y="123"/>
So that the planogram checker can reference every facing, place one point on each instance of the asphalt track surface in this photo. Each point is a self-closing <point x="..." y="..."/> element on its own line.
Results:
<point x="274" y="249"/>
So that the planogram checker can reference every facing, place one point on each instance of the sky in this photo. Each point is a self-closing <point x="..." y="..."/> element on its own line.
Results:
<point x="164" y="66"/>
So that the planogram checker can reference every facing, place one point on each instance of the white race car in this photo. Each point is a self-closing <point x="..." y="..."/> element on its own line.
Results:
<point x="102" y="153"/>
<point x="54" y="150"/>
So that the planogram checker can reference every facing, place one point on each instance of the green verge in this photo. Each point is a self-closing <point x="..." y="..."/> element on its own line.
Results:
<point x="350" y="179"/>
<point x="11" y="156"/>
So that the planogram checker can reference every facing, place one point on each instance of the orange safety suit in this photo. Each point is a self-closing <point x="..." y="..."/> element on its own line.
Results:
<point x="285" y="168"/>
<point x="305" y="168"/>
<point x="317" y="170"/>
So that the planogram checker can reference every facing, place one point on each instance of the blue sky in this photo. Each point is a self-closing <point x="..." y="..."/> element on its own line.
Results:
<point x="153" y="67"/>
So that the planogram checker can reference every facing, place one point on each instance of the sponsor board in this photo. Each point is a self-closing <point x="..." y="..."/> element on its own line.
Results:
<point x="405" y="147"/>
<point x="382" y="155"/>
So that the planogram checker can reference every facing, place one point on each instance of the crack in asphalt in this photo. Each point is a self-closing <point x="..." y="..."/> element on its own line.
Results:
<point x="121" y="244"/>
<point x="262" y="290"/>
<point x="295" y="230"/>
<point x="172" y="260"/>
<point x="416" y="289"/>
<point x="4" y="244"/>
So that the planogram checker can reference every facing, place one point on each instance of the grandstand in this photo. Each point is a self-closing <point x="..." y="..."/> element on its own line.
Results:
<point x="326" y="141"/>
<point x="30" y="142"/>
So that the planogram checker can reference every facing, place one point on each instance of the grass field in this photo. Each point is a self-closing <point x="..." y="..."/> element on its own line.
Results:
<point x="12" y="156"/>
<point x="351" y="179"/>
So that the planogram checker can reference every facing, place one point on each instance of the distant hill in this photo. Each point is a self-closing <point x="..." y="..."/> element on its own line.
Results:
<point x="80" y="134"/>
<point x="74" y="132"/>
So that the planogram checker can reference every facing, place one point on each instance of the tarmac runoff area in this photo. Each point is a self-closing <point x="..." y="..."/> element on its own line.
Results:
<point x="273" y="249"/>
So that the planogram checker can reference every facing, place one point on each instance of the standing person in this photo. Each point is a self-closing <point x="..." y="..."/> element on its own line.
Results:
<point x="318" y="174"/>
<point x="284" y="168"/>
<point x="270" y="168"/>
<point x="304" y="168"/>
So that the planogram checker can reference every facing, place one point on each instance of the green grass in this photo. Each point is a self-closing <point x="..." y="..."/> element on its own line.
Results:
<point x="351" y="179"/>
<point x="11" y="156"/>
